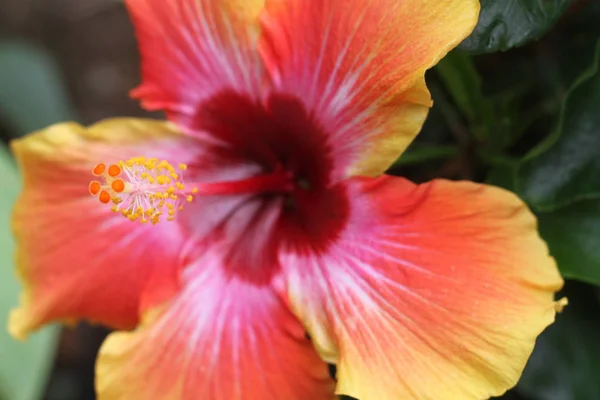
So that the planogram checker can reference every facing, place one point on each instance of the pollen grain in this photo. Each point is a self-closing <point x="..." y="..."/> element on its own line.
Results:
<point x="95" y="187"/>
<point x="99" y="169"/>
<point x="114" y="171"/>
<point x="118" y="185"/>
<point x="104" y="197"/>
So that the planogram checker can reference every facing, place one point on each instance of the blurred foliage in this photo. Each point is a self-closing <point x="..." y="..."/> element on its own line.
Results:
<point x="24" y="366"/>
<point x="31" y="97"/>
<point x="420" y="153"/>
<point x="463" y="82"/>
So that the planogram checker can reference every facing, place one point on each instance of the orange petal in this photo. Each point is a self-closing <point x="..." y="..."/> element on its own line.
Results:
<point x="77" y="259"/>
<point x="433" y="292"/>
<point x="221" y="338"/>
<point x="359" y="66"/>
<point x="192" y="50"/>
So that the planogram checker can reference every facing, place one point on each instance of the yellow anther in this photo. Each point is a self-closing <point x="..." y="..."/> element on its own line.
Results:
<point x="151" y="163"/>
<point x="189" y="198"/>
<point x="165" y="165"/>
<point x="194" y="190"/>
<point x="183" y="167"/>
<point x="180" y="186"/>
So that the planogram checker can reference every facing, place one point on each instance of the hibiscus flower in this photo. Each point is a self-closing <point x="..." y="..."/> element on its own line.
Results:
<point x="253" y="239"/>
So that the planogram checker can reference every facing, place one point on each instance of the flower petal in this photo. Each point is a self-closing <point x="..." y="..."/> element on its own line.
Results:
<point x="221" y="338"/>
<point x="359" y="66"/>
<point x="433" y="292"/>
<point x="193" y="49"/>
<point x="77" y="258"/>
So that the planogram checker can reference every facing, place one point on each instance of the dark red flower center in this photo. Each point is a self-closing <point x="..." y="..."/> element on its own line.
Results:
<point x="291" y="201"/>
<point x="279" y="135"/>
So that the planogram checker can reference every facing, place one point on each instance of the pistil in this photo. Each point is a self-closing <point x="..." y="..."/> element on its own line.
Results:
<point x="144" y="189"/>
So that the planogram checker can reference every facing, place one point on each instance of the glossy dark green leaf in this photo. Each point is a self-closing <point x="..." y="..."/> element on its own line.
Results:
<point x="504" y="24"/>
<point x="573" y="234"/>
<point x="565" y="364"/>
<point x="565" y="168"/>
<point x="559" y="181"/>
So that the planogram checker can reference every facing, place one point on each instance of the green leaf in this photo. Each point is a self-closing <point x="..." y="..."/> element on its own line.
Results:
<point x="565" y="364"/>
<point x="32" y="95"/>
<point x="23" y="366"/>
<point x="559" y="181"/>
<point x="565" y="168"/>
<point x="505" y="24"/>
<point x="573" y="234"/>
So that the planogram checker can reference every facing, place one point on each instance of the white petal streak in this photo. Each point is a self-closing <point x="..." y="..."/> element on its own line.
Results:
<point x="316" y="78"/>
<point x="192" y="50"/>
<point x="338" y="63"/>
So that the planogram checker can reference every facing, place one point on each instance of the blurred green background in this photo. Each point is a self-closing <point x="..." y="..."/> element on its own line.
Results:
<point x="59" y="60"/>
<point x="517" y="105"/>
